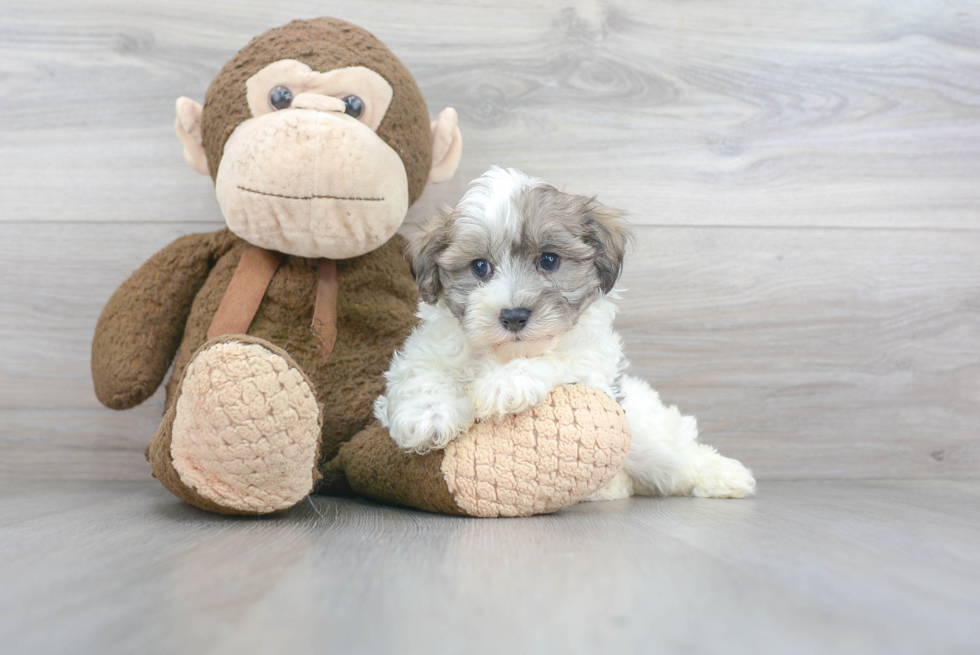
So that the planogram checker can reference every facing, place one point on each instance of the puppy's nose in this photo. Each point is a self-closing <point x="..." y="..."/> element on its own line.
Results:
<point x="514" y="319"/>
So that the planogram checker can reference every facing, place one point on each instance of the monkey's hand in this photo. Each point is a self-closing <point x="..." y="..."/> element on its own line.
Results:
<point x="141" y="326"/>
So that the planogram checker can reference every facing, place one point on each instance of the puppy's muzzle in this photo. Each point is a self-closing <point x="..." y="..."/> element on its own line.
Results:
<point x="515" y="320"/>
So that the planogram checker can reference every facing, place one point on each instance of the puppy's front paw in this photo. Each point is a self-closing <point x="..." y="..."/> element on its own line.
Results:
<point x="426" y="424"/>
<point x="723" y="477"/>
<point x="503" y="392"/>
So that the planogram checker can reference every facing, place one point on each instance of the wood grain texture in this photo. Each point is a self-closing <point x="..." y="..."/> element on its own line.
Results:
<point x="778" y="112"/>
<point x="807" y="353"/>
<point x="815" y="353"/>
<point x="805" y="568"/>
<point x="806" y="278"/>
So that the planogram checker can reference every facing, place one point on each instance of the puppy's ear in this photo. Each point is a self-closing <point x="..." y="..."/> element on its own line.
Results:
<point x="606" y="230"/>
<point x="423" y="252"/>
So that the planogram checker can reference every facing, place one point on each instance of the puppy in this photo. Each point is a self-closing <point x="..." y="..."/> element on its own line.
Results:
<point x="517" y="288"/>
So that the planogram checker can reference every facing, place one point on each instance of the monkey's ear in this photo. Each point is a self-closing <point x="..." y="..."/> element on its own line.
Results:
<point x="447" y="146"/>
<point x="188" y="125"/>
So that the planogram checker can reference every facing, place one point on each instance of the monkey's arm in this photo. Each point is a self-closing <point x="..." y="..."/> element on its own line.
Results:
<point x="141" y="326"/>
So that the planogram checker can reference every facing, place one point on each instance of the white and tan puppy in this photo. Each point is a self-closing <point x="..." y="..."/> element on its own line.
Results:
<point x="517" y="283"/>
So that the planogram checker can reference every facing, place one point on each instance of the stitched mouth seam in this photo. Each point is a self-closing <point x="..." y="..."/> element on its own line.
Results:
<point x="279" y="195"/>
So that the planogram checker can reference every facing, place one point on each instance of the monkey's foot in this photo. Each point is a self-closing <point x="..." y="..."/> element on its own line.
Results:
<point x="245" y="428"/>
<point x="540" y="460"/>
<point x="535" y="462"/>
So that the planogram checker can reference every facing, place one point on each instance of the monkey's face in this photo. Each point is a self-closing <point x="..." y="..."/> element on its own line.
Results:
<point x="318" y="139"/>
<point x="307" y="174"/>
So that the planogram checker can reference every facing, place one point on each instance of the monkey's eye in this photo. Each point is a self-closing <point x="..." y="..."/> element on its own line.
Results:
<point x="481" y="268"/>
<point x="280" y="97"/>
<point x="355" y="106"/>
<point x="549" y="261"/>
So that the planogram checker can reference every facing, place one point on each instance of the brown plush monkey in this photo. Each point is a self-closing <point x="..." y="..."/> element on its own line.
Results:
<point x="280" y="326"/>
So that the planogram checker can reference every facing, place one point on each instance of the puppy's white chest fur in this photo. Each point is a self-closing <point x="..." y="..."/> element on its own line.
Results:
<point x="440" y="383"/>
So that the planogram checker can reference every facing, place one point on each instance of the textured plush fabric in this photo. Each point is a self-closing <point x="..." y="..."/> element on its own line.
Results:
<point x="534" y="462"/>
<point x="246" y="430"/>
<point x="314" y="90"/>
<point x="226" y="443"/>
<point x="140" y="328"/>
<point x="540" y="460"/>
<point x="161" y="462"/>
<point x="375" y="313"/>
<point x="245" y="292"/>
<point x="325" y="310"/>
<point x="373" y="465"/>
<point x="323" y="44"/>
<point x="311" y="183"/>
<point x="447" y="146"/>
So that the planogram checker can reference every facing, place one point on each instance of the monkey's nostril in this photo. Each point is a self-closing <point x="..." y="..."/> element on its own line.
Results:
<point x="515" y="320"/>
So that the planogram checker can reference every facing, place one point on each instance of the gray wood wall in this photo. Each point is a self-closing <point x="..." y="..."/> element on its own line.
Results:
<point x="804" y="179"/>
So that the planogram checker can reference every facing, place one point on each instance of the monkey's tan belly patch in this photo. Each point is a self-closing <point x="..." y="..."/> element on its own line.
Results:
<point x="540" y="460"/>
<point x="246" y="429"/>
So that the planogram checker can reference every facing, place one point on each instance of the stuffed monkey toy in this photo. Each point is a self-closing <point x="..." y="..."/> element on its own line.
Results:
<point x="280" y="326"/>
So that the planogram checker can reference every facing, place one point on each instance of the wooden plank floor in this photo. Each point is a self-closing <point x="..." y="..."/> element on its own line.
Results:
<point x="806" y="567"/>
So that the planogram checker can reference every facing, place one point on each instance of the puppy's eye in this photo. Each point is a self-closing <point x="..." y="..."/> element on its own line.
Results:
<point x="549" y="261"/>
<point x="354" y="106"/>
<point x="481" y="268"/>
<point x="280" y="97"/>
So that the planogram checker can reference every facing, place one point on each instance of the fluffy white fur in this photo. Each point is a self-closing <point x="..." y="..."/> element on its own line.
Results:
<point x="438" y="386"/>
<point x="449" y="375"/>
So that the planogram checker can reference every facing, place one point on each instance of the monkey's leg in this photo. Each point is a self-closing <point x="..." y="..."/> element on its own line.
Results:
<point x="535" y="462"/>
<point x="242" y="433"/>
